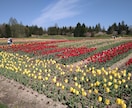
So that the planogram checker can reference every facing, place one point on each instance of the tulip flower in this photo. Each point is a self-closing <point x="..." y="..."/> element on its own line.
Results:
<point x="107" y="101"/>
<point x="100" y="99"/>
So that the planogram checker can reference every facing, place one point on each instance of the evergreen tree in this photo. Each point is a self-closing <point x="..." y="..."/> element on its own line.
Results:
<point x="7" y="31"/>
<point x="112" y="29"/>
<point x="120" y="29"/>
<point x="77" y="31"/>
<point x="27" y="31"/>
<point x="130" y="30"/>
<point x="2" y="30"/>
<point x="83" y="29"/>
<point x="80" y="30"/>
<point x="97" y="28"/>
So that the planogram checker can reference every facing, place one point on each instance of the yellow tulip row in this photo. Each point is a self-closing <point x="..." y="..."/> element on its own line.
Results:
<point x="78" y="81"/>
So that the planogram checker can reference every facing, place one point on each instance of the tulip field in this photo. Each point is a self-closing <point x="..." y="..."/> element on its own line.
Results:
<point x="77" y="73"/>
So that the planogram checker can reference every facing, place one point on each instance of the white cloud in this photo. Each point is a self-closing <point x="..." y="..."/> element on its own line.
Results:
<point x="60" y="10"/>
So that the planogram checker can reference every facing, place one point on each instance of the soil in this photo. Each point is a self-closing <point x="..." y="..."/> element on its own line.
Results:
<point x="121" y="63"/>
<point x="15" y="95"/>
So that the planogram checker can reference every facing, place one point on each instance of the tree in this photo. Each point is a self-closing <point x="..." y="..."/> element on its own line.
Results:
<point x="17" y="29"/>
<point x="2" y="30"/>
<point x="130" y="30"/>
<point x="83" y="29"/>
<point x="53" y="31"/>
<point x="14" y="27"/>
<point x="77" y="31"/>
<point x="70" y="30"/>
<point x="64" y="30"/>
<point x="27" y="32"/>
<point x="120" y="29"/>
<point x="112" y="29"/>
<point x="97" y="28"/>
<point x="41" y="31"/>
<point x="7" y="31"/>
<point x="80" y="30"/>
<point x="12" y="21"/>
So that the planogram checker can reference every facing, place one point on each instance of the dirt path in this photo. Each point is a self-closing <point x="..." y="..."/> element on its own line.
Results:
<point x="120" y="63"/>
<point x="16" y="95"/>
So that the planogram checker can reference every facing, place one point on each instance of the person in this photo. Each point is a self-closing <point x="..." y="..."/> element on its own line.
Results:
<point x="9" y="41"/>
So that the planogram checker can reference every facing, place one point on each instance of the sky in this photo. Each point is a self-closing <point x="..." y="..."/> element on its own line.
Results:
<point x="47" y="13"/>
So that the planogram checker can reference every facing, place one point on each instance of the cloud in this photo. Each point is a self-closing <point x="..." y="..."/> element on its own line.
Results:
<point x="60" y="10"/>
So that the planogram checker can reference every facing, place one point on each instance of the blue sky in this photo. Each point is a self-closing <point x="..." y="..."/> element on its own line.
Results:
<point x="47" y="13"/>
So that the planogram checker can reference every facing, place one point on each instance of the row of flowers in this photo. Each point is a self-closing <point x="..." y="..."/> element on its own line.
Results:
<point x="107" y="55"/>
<point x="32" y="46"/>
<point x="75" y="86"/>
<point x="48" y="47"/>
<point x="129" y="62"/>
<point x="71" y="52"/>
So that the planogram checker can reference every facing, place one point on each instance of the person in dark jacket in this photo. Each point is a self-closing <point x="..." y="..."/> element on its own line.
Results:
<point x="9" y="41"/>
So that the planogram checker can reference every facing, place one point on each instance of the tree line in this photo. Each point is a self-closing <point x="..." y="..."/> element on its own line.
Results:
<point x="15" y="29"/>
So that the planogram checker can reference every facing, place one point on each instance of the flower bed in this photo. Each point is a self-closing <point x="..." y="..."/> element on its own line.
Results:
<point x="71" y="85"/>
<point x="110" y="53"/>
<point x="71" y="52"/>
<point x="75" y="87"/>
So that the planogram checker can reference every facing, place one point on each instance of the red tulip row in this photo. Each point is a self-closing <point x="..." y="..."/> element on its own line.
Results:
<point x="55" y="50"/>
<point x="129" y="62"/>
<point x="71" y="52"/>
<point x="107" y="55"/>
<point x="32" y="47"/>
<point x="48" y="47"/>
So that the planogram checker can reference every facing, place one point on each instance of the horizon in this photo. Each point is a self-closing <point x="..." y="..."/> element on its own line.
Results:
<point x="67" y="13"/>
